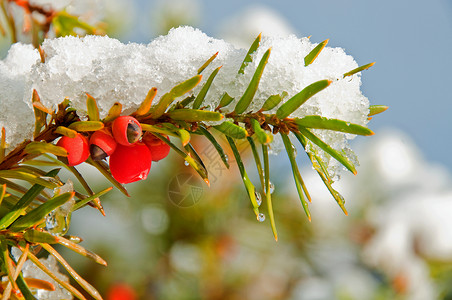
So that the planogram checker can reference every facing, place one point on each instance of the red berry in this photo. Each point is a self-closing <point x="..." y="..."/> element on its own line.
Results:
<point x="77" y="148"/>
<point x="159" y="149"/>
<point x="130" y="163"/>
<point x="101" y="144"/>
<point x="126" y="130"/>
<point x="121" y="291"/>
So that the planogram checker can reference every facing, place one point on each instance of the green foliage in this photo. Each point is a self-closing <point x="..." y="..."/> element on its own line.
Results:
<point x="194" y="115"/>
<point x="232" y="130"/>
<point x="318" y="122"/>
<point x="113" y="113"/>
<point x="224" y="101"/>
<point x="27" y="192"/>
<point x="83" y="126"/>
<point x="301" y="187"/>
<point x="146" y="104"/>
<point x="328" y="149"/>
<point x="309" y="59"/>
<point x="251" y="90"/>
<point x="273" y="101"/>
<point x="250" y="189"/>
<point x="262" y="136"/>
<point x="66" y="24"/>
<point x="248" y="58"/>
<point x="268" y="190"/>
<point x="207" y="63"/>
<point x="21" y="206"/>
<point x="42" y="147"/>
<point x="299" y="99"/>
<point x="216" y="145"/>
<point x="359" y="69"/>
<point x="159" y="109"/>
<point x="377" y="109"/>
<point x="92" y="109"/>
<point x="202" y="94"/>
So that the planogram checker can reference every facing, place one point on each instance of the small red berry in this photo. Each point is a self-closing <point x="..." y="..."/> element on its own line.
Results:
<point x="101" y="144"/>
<point x="126" y="130"/>
<point x="130" y="163"/>
<point x="159" y="149"/>
<point x="121" y="291"/>
<point x="77" y="148"/>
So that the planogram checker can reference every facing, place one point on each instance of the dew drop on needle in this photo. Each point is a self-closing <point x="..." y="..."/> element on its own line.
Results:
<point x="258" y="198"/>
<point x="272" y="187"/>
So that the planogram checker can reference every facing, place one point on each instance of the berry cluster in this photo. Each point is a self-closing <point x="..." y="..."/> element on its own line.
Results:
<point x="131" y="152"/>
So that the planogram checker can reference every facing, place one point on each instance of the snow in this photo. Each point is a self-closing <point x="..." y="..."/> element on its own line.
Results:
<point x="16" y="116"/>
<point x="30" y="270"/>
<point x="112" y="71"/>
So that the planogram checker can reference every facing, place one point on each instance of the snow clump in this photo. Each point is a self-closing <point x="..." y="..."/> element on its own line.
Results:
<point x="112" y="72"/>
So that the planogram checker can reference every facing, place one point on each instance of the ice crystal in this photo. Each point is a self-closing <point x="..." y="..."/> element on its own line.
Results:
<point x="58" y="220"/>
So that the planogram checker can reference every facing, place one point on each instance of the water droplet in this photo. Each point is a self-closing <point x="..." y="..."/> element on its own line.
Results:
<point x="261" y="217"/>
<point x="73" y="238"/>
<point x="258" y="198"/>
<point x="51" y="179"/>
<point x="294" y="150"/>
<point x="65" y="188"/>
<point x="226" y="158"/>
<point x="272" y="187"/>
<point x="58" y="220"/>
<point x="186" y="163"/>
<point x="348" y="123"/>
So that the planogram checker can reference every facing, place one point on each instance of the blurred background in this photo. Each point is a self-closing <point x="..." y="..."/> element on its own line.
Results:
<point x="176" y="239"/>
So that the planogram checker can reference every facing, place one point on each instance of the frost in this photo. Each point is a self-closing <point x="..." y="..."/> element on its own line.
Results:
<point x="59" y="219"/>
<point x="112" y="71"/>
